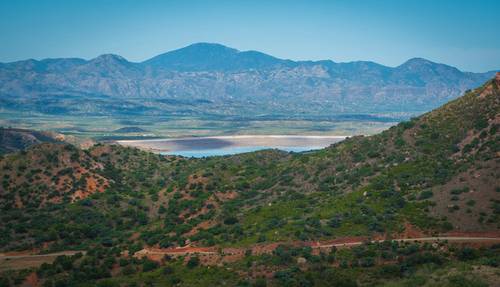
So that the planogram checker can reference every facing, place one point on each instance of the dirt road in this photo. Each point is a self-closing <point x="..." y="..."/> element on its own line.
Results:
<point x="11" y="261"/>
<point x="211" y="255"/>
<point x="421" y="239"/>
<point x="17" y="261"/>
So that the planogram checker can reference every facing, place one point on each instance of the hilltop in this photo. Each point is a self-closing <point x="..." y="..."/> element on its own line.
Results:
<point x="12" y="140"/>
<point x="435" y="174"/>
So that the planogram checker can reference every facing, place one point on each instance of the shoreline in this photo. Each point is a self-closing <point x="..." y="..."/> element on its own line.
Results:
<point x="231" y="144"/>
<point x="233" y="137"/>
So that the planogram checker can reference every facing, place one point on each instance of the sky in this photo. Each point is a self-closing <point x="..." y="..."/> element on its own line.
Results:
<point x="460" y="33"/>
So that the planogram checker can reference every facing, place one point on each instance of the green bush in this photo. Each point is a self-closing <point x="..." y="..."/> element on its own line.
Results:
<point x="149" y="265"/>
<point x="193" y="262"/>
<point x="426" y="194"/>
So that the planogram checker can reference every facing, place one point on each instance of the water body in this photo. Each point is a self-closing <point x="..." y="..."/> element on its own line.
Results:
<point x="227" y="145"/>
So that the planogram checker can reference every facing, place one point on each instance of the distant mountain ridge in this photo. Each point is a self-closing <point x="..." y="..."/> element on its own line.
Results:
<point x="240" y="82"/>
<point x="215" y="57"/>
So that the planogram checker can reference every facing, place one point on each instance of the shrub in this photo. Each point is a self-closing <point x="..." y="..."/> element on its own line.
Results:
<point x="367" y="262"/>
<point x="193" y="262"/>
<point x="107" y="283"/>
<point x="462" y="281"/>
<point x="457" y="191"/>
<point x="167" y="270"/>
<point x="471" y="202"/>
<point x="481" y="123"/>
<point x="426" y="194"/>
<point x="149" y="265"/>
<point x="4" y="282"/>
<point x="389" y="271"/>
<point x="260" y="282"/>
<point x="230" y="220"/>
<point x="467" y="253"/>
<point x="123" y="262"/>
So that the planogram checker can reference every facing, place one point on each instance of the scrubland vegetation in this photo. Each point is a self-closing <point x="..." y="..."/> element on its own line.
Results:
<point x="431" y="173"/>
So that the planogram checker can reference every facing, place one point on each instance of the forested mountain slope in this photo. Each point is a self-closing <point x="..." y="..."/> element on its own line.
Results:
<point x="435" y="174"/>
<point x="442" y="165"/>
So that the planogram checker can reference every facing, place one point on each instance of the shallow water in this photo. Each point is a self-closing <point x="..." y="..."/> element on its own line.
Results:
<point x="228" y="145"/>
<point x="235" y="150"/>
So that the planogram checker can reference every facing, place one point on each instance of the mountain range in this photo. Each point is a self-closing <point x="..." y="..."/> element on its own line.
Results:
<point x="211" y="79"/>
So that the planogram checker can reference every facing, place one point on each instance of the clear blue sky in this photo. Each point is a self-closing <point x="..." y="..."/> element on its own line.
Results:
<point x="464" y="34"/>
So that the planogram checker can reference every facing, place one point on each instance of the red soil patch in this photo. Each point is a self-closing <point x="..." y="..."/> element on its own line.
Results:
<point x="411" y="232"/>
<point x="265" y="248"/>
<point x="31" y="280"/>
<point x="64" y="169"/>
<point x="19" y="202"/>
<point x="200" y="226"/>
<point x="115" y="270"/>
<point x="226" y="196"/>
<point x="91" y="187"/>
<point x="134" y="236"/>
<point x="486" y="92"/>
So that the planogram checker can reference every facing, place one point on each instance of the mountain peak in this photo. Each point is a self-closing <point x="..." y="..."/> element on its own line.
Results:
<point x="109" y="58"/>
<point x="205" y="46"/>
<point x="427" y="68"/>
<point x="416" y="62"/>
<point x="212" y="57"/>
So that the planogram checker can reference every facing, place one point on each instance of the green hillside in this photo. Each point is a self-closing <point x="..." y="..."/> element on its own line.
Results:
<point x="434" y="174"/>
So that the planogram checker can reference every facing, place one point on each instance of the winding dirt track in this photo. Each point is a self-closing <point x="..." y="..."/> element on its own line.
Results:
<point x="421" y="239"/>
<point x="31" y="260"/>
<point x="158" y="254"/>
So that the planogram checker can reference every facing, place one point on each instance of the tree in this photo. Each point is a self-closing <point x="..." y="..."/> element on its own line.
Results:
<point x="4" y="282"/>
<point x="230" y="220"/>
<point x="149" y="265"/>
<point x="193" y="262"/>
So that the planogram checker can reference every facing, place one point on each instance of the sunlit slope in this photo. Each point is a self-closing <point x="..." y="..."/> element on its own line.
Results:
<point x="436" y="173"/>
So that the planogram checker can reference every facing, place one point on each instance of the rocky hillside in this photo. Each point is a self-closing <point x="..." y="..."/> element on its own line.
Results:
<point x="48" y="174"/>
<point x="266" y="218"/>
<point x="436" y="173"/>
<point x="206" y="79"/>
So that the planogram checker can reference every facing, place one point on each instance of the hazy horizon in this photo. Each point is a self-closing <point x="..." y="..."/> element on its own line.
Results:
<point x="295" y="60"/>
